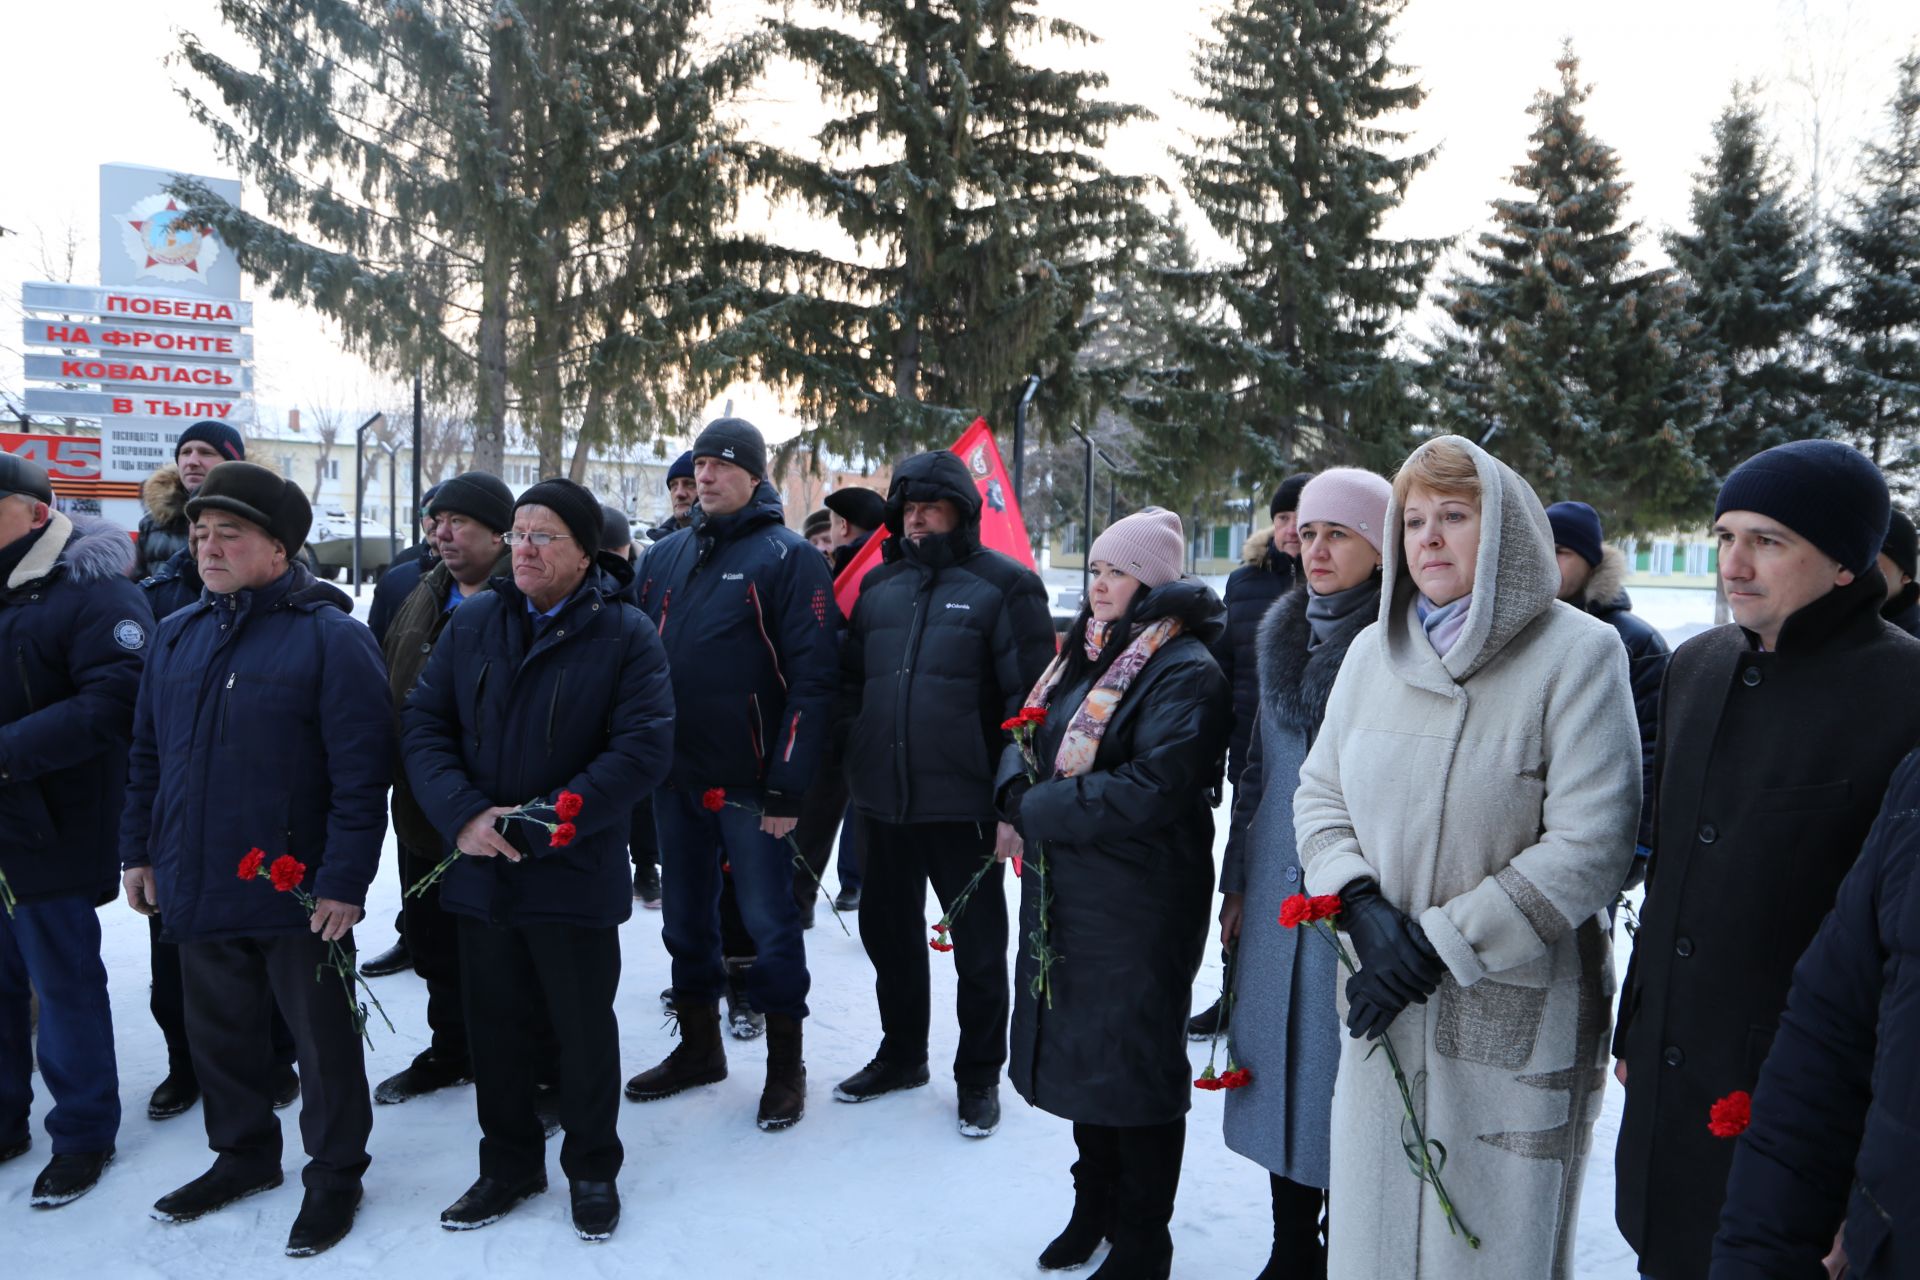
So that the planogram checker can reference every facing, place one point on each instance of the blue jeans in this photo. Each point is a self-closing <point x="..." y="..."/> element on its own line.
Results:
<point x="693" y="846"/>
<point x="55" y="944"/>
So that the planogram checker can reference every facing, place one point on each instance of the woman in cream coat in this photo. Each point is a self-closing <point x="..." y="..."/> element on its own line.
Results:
<point x="1472" y="797"/>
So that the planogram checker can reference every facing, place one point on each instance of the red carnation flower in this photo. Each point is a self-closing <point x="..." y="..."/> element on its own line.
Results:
<point x="1207" y="1081"/>
<point x="713" y="799"/>
<point x="940" y="928"/>
<point x="1238" y="1078"/>
<point x="1300" y="909"/>
<point x="568" y="806"/>
<point x="562" y="836"/>
<point x="1013" y="722"/>
<point x="938" y="945"/>
<point x="250" y="865"/>
<point x="287" y="872"/>
<point x="1035" y="715"/>
<point x="1731" y="1115"/>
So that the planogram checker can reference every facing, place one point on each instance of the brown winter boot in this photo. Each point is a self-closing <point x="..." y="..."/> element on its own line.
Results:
<point x="784" y="1100"/>
<point x="700" y="1057"/>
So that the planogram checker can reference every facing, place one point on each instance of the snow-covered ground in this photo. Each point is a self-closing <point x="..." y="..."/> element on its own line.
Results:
<point x="881" y="1191"/>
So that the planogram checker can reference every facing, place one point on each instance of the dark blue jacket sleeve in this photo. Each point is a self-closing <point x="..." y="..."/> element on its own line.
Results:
<point x="430" y="736"/>
<point x="96" y="716"/>
<point x="809" y="624"/>
<point x="143" y="774"/>
<point x="640" y="746"/>
<point x="1793" y="1167"/>
<point x="356" y="734"/>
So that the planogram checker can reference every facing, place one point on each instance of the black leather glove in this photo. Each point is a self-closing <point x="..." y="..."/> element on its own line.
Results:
<point x="1370" y="1008"/>
<point x="1392" y="948"/>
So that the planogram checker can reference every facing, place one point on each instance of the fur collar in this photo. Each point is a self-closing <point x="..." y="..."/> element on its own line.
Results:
<point x="1607" y="585"/>
<point x="165" y="495"/>
<point x="91" y="548"/>
<point x="1295" y="683"/>
<point x="1254" y="550"/>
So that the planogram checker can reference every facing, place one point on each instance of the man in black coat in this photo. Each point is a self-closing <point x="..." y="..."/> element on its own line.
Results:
<point x="263" y="725"/>
<point x="1837" y="1108"/>
<point x="681" y="493"/>
<point x="199" y="449"/>
<point x="468" y="514"/>
<point x="1777" y="737"/>
<point x="857" y="514"/>
<point x="1593" y="578"/>
<point x="1897" y="566"/>
<point x="746" y="611"/>
<point x="944" y="643"/>
<point x="543" y="710"/>
<point x="402" y="576"/>
<point x="77" y="630"/>
<point x="1270" y="567"/>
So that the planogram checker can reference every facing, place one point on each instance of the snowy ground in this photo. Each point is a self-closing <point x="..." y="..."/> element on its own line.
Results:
<point x="884" y="1190"/>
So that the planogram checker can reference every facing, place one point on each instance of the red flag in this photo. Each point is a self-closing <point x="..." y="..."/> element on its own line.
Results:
<point x="1001" y="526"/>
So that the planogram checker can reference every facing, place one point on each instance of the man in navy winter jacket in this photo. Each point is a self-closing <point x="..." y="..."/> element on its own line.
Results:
<point x="76" y="631"/>
<point x="1836" y="1113"/>
<point x="263" y="722"/>
<point x="545" y="686"/>
<point x="745" y="608"/>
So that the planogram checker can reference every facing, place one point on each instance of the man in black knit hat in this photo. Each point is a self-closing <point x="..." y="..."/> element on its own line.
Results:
<point x="746" y="611"/>
<point x="1897" y="560"/>
<point x="1778" y="735"/>
<point x="163" y="529"/>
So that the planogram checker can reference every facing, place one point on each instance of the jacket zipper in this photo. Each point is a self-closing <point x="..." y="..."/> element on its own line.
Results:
<point x="553" y="708"/>
<point x="226" y="700"/>
<point x="26" y="685"/>
<point x="479" y="705"/>
<point x="914" y="629"/>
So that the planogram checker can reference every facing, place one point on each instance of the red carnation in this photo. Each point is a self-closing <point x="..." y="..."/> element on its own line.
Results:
<point x="568" y="806"/>
<point x="1731" y="1115"/>
<point x="1035" y="715"/>
<point x="713" y="799"/>
<point x="286" y="872"/>
<point x="562" y="836"/>
<point x="940" y="928"/>
<point x="1300" y="909"/>
<point x="1238" y="1078"/>
<point x="1013" y="722"/>
<point x="938" y="945"/>
<point x="250" y="865"/>
<point x="1208" y="1081"/>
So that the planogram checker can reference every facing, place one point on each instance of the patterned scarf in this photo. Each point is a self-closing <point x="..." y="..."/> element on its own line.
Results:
<point x="1082" y="739"/>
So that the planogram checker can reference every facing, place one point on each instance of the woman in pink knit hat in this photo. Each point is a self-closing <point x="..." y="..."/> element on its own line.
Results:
<point x="1283" y="1028"/>
<point x="1117" y="881"/>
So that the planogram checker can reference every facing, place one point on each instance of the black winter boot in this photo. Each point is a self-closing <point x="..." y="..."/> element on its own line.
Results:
<point x="1147" y="1177"/>
<point x="427" y="1073"/>
<point x="173" y="1096"/>
<point x="784" y="1100"/>
<point x="744" y="1022"/>
<point x="1299" y="1250"/>
<point x="700" y="1058"/>
<point x="326" y="1215"/>
<point x="1209" y="1021"/>
<point x="1092" y="1218"/>
<point x="68" y="1177"/>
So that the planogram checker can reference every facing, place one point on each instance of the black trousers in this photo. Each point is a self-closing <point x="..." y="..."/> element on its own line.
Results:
<point x="514" y="979"/>
<point x="821" y="810"/>
<point x="643" y="842"/>
<point x="168" y="1004"/>
<point x="433" y="939"/>
<point x="900" y="862"/>
<point x="1134" y="1171"/>
<point x="232" y="986"/>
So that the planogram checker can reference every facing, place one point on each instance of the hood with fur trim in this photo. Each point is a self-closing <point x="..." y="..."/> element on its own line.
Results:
<point x="92" y="550"/>
<point x="165" y="495"/>
<point x="1254" y="550"/>
<point x="1606" y="589"/>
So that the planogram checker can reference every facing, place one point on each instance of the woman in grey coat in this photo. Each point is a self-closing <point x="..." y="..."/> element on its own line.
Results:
<point x="1285" y="1030"/>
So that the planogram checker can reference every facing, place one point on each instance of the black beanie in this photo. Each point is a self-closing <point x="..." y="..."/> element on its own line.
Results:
<point x="1829" y="493"/>
<point x="1576" y="526"/>
<point x="576" y="506"/>
<point x="252" y="492"/>
<point x="733" y="440"/>
<point x="615" y="529"/>
<point x="861" y="508"/>
<point x="1903" y="543"/>
<point x="224" y="439"/>
<point x="475" y="493"/>
<point x="819" y="522"/>
<point x="682" y="468"/>
<point x="1287" y="496"/>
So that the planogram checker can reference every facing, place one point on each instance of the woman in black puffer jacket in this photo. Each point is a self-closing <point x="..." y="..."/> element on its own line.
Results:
<point x="1130" y="760"/>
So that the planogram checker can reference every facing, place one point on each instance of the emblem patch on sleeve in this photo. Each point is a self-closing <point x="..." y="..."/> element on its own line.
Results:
<point x="129" y="634"/>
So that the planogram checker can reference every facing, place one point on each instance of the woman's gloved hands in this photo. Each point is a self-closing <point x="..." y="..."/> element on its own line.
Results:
<point x="1010" y="797"/>
<point x="1398" y="966"/>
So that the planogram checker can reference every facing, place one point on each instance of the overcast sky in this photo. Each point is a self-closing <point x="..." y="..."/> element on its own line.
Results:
<point x="88" y="83"/>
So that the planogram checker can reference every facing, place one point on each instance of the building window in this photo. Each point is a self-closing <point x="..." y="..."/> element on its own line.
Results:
<point x="1662" y="559"/>
<point x="1222" y="536"/>
<point x="286" y="466"/>
<point x="1699" y="558"/>
<point x="333" y="468"/>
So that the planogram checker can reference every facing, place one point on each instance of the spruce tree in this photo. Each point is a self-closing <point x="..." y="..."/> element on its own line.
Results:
<point x="523" y="198"/>
<point x="984" y="221"/>
<point x="1287" y="355"/>
<point x="1566" y="355"/>
<point x="1750" y="263"/>
<point x="1876" y="340"/>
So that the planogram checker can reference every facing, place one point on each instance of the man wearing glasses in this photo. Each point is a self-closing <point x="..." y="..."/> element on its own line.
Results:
<point x="543" y="710"/>
<point x="745" y="608"/>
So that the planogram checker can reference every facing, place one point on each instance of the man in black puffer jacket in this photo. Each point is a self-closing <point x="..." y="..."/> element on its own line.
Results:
<point x="544" y="687"/>
<point x="1270" y="567"/>
<point x="1593" y="577"/>
<point x="75" y="631"/>
<point x="745" y="608"/>
<point x="1837" y="1105"/>
<point x="198" y="450"/>
<point x="945" y="641"/>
